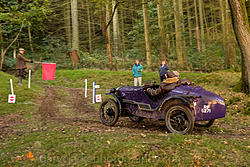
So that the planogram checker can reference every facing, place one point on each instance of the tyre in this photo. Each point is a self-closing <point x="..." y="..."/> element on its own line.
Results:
<point x="109" y="112"/>
<point x="135" y="118"/>
<point x="205" y="124"/>
<point x="179" y="119"/>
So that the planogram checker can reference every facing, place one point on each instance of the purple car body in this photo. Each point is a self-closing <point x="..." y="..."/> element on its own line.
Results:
<point x="205" y="105"/>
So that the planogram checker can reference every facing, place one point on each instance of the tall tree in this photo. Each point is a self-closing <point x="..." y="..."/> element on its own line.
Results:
<point x="146" y="32"/>
<point x="162" y="34"/>
<point x="242" y="31"/>
<point x="89" y="27"/>
<point x="67" y="22"/>
<point x="178" y="33"/>
<point x="109" y="52"/>
<point x="202" y="25"/>
<point x="230" y="44"/>
<point x="224" y="33"/>
<point x="122" y="30"/>
<point x="75" y="25"/>
<point x="115" y="29"/>
<point x="197" y="29"/>
<point x="30" y="36"/>
<point x="189" y="23"/>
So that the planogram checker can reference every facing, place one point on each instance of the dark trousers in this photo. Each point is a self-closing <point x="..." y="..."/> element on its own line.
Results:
<point x="162" y="78"/>
<point x="21" y="72"/>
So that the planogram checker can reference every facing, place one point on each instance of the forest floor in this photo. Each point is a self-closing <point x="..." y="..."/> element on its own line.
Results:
<point x="61" y="128"/>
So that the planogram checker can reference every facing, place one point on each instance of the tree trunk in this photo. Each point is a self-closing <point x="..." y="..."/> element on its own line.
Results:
<point x="75" y="25"/>
<point x="178" y="34"/>
<point x="197" y="30"/>
<point x="230" y="40"/>
<point x="163" y="44"/>
<point x="115" y="30"/>
<point x="189" y="24"/>
<point x="30" y="38"/>
<point x="67" y="21"/>
<point x="242" y="32"/>
<point x="89" y="27"/>
<point x="74" y="58"/>
<point x="109" y="52"/>
<point x="202" y="25"/>
<point x="224" y="33"/>
<point x="146" y="32"/>
<point x="122" y="30"/>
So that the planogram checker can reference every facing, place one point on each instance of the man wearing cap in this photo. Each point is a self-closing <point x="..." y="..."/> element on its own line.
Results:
<point x="21" y="65"/>
<point x="173" y="80"/>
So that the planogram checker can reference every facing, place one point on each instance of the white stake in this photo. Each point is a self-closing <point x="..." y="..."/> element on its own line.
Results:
<point x="29" y="78"/>
<point x="93" y="92"/>
<point x="11" y="87"/>
<point x="86" y="87"/>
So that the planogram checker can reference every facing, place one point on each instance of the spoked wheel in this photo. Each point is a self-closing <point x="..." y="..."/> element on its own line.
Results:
<point x="179" y="119"/>
<point x="109" y="112"/>
<point x="205" y="124"/>
<point x="135" y="118"/>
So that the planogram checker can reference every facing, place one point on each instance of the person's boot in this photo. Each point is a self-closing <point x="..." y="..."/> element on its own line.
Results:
<point x="20" y="81"/>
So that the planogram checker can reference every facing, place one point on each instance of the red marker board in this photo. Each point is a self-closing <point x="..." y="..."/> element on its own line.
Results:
<point x="12" y="98"/>
<point x="49" y="70"/>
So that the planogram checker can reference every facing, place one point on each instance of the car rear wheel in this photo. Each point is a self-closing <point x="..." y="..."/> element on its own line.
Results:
<point x="109" y="112"/>
<point x="205" y="124"/>
<point x="135" y="118"/>
<point x="179" y="119"/>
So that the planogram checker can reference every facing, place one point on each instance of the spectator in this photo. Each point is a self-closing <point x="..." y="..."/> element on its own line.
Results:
<point x="137" y="73"/>
<point x="163" y="70"/>
<point x="21" y="65"/>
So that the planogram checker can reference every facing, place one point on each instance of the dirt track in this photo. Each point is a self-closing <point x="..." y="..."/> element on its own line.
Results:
<point x="66" y="107"/>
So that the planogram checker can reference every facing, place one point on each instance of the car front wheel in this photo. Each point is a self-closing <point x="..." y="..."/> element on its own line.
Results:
<point x="109" y="112"/>
<point x="179" y="119"/>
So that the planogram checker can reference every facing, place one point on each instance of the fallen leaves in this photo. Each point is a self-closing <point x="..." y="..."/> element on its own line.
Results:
<point x="26" y="157"/>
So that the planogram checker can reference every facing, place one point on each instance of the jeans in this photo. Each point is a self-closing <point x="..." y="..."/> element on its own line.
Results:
<point x="138" y="79"/>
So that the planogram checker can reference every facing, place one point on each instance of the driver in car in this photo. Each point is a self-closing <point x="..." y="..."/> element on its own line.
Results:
<point x="172" y="80"/>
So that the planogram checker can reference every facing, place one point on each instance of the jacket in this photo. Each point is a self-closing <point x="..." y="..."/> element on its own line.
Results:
<point x="163" y="70"/>
<point x="21" y="61"/>
<point x="137" y="70"/>
<point x="168" y="85"/>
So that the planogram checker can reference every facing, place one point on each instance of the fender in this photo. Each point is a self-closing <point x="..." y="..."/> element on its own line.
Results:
<point x="118" y="101"/>
<point x="183" y="98"/>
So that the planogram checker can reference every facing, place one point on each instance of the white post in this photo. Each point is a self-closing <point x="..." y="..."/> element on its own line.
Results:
<point x="29" y="78"/>
<point x="93" y="92"/>
<point x="86" y="87"/>
<point x="11" y="87"/>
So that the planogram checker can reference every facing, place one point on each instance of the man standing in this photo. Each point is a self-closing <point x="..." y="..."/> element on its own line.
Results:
<point x="137" y="72"/>
<point x="21" y="65"/>
<point x="163" y="70"/>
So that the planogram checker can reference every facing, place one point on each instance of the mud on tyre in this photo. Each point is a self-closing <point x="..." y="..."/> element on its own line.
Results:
<point x="179" y="119"/>
<point x="109" y="112"/>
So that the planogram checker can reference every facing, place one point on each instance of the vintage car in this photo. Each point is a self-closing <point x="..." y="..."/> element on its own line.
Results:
<point x="182" y="108"/>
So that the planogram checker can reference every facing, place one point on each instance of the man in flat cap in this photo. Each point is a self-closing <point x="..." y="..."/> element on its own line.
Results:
<point x="21" y="65"/>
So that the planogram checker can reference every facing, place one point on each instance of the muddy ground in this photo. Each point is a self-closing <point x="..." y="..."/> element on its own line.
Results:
<point x="64" y="107"/>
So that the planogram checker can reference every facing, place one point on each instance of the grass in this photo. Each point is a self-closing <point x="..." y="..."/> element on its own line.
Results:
<point x="25" y="98"/>
<point x="72" y="148"/>
<point x="56" y="143"/>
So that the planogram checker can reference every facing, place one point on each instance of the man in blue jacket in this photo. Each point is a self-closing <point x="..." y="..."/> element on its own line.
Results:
<point x="137" y="72"/>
